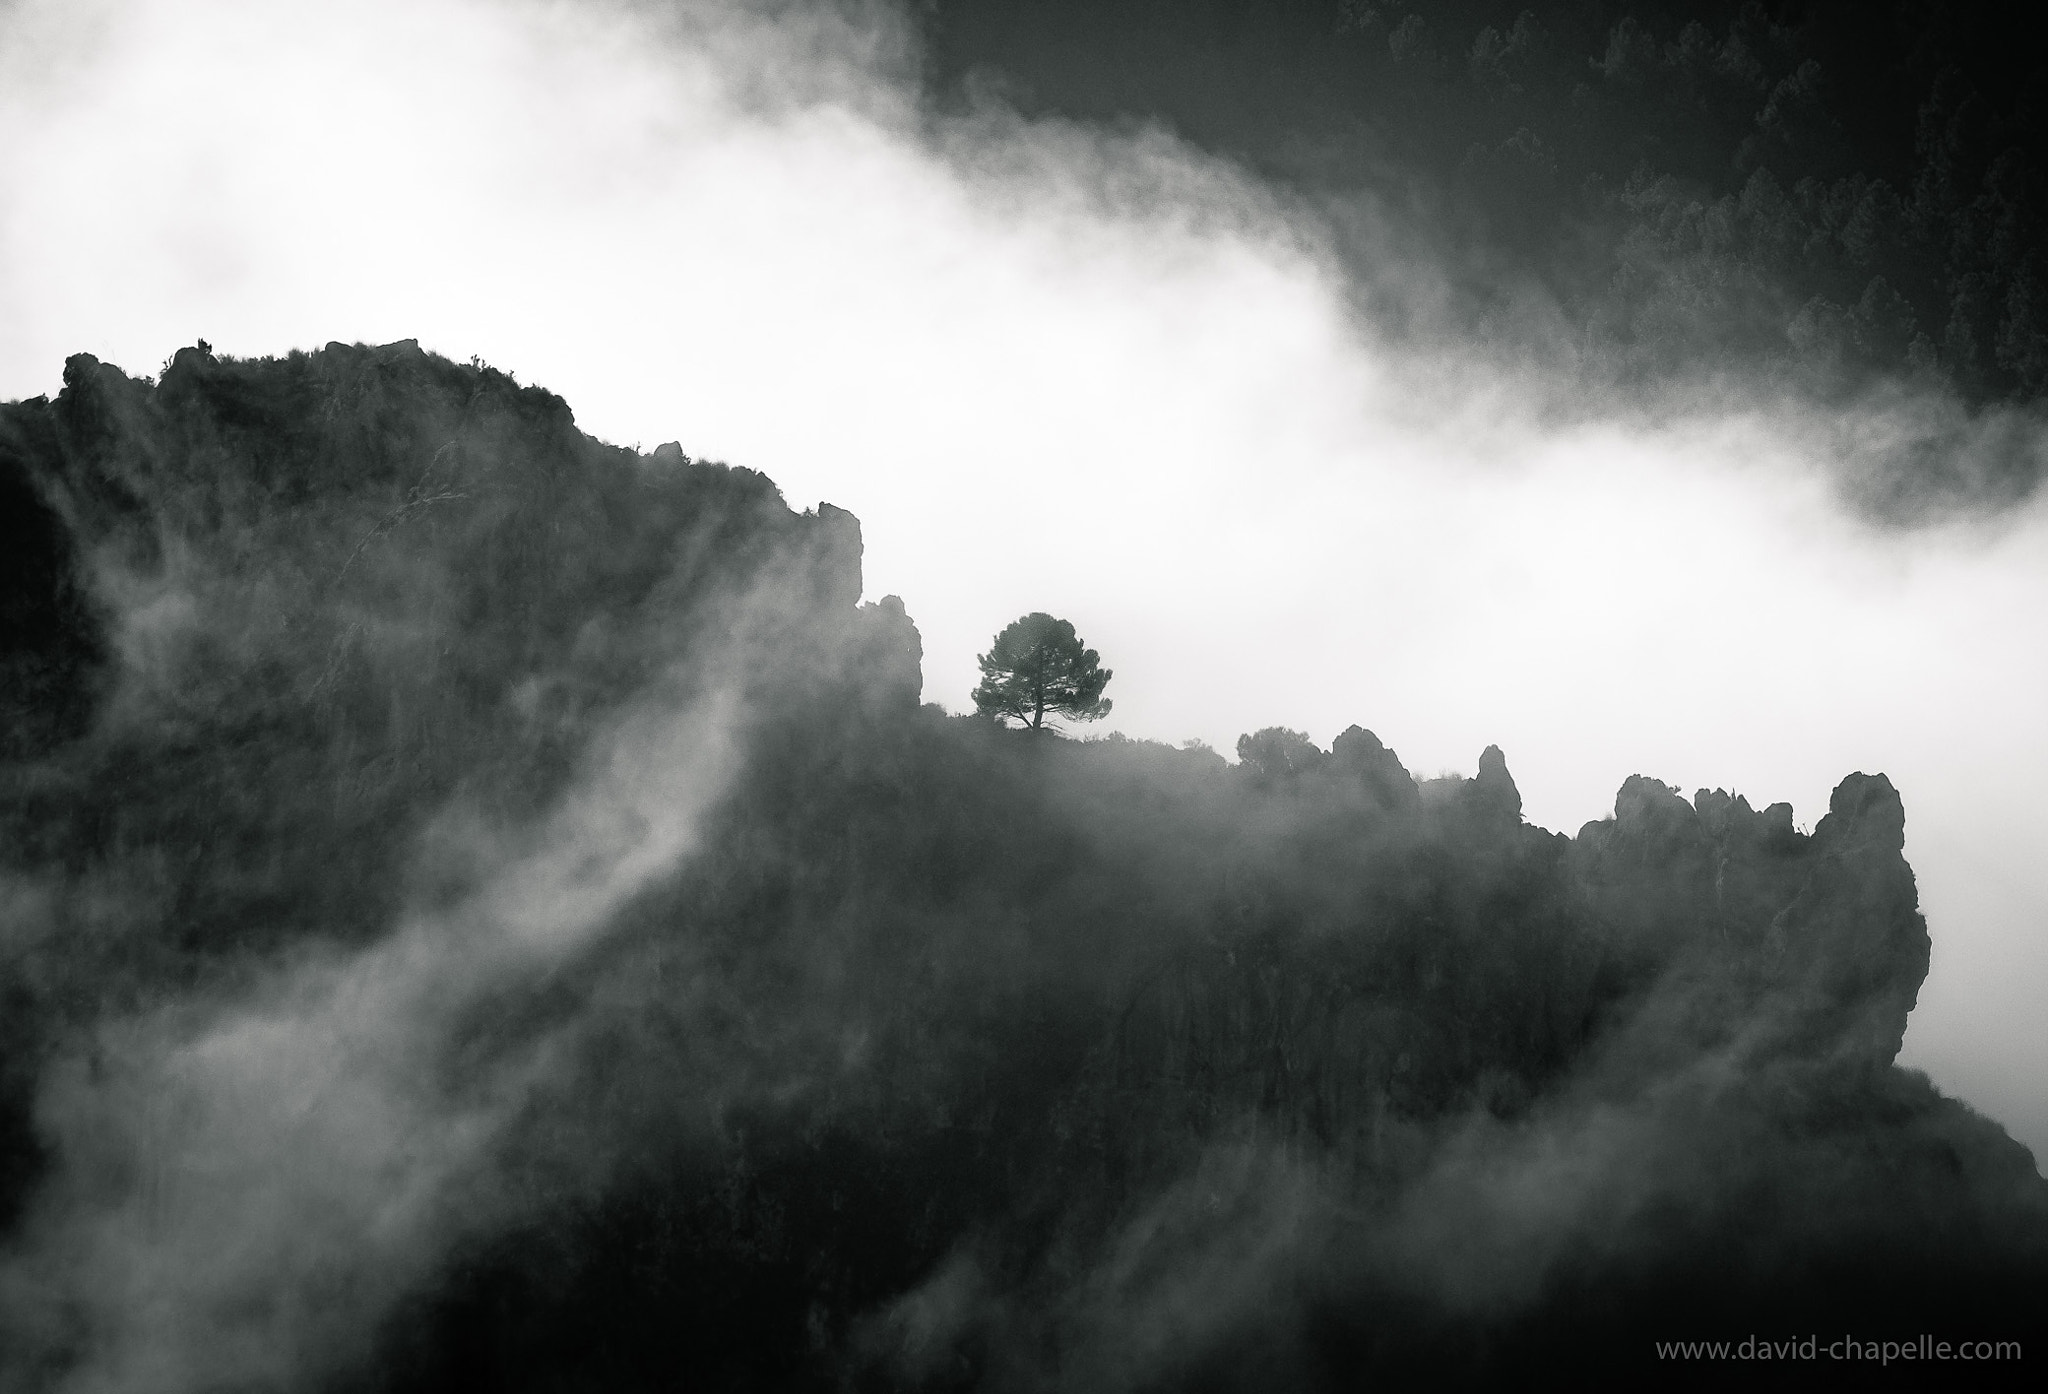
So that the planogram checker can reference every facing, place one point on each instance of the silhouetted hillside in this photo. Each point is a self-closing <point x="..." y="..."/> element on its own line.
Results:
<point x="487" y="910"/>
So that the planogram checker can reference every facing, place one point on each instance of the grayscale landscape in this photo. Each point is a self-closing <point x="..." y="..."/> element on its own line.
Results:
<point x="773" y="694"/>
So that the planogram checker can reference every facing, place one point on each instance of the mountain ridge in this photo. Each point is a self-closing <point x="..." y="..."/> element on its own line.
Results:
<point x="917" y="1052"/>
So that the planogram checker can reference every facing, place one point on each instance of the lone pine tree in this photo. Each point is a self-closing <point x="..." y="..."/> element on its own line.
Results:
<point x="1038" y="667"/>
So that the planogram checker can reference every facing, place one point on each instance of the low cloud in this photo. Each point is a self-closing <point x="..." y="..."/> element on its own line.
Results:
<point x="245" y="1186"/>
<point x="1052" y="366"/>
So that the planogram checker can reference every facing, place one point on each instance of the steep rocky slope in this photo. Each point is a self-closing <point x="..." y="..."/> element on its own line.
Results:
<point x="487" y="909"/>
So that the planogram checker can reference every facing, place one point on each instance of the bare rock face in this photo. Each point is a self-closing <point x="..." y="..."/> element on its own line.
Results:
<point x="1360" y="754"/>
<point x="319" y="596"/>
<point x="839" y="550"/>
<point x="1494" y="788"/>
<point x="1809" y="945"/>
<point x="889" y="654"/>
<point x="1854" y="943"/>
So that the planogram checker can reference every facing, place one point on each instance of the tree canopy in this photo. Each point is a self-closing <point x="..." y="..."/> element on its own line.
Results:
<point x="1039" y="667"/>
<point x="1277" y="752"/>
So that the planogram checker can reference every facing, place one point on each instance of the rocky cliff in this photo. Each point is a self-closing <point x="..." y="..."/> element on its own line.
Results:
<point x="484" y="908"/>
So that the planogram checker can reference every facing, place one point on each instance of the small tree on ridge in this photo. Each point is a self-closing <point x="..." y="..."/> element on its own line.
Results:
<point x="1038" y="667"/>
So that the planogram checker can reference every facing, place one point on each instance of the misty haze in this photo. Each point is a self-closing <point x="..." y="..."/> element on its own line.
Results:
<point x="1311" y="695"/>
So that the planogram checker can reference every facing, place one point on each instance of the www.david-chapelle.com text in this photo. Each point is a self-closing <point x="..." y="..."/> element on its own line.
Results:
<point x="1884" y="1352"/>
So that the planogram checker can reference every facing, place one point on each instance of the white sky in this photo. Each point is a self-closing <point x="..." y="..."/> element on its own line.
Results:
<point x="1050" y="369"/>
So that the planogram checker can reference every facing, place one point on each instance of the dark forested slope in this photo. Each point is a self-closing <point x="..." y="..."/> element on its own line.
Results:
<point x="1844" y="201"/>
<point x="485" y="909"/>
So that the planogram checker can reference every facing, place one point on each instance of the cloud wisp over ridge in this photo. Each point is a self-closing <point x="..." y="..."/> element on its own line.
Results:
<point x="248" y="1185"/>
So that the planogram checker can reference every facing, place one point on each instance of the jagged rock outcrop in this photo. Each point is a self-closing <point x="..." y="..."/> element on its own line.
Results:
<point x="929" y="1015"/>
<point x="1809" y="944"/>
<point x="401" y="575"/>
<point x="1360" y="754"/>
<point x="1493" y="791"/>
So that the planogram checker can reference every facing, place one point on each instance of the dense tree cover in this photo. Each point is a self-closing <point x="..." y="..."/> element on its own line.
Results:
<point x="932" y="1054"/>
<point x="1829" y="194"/>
